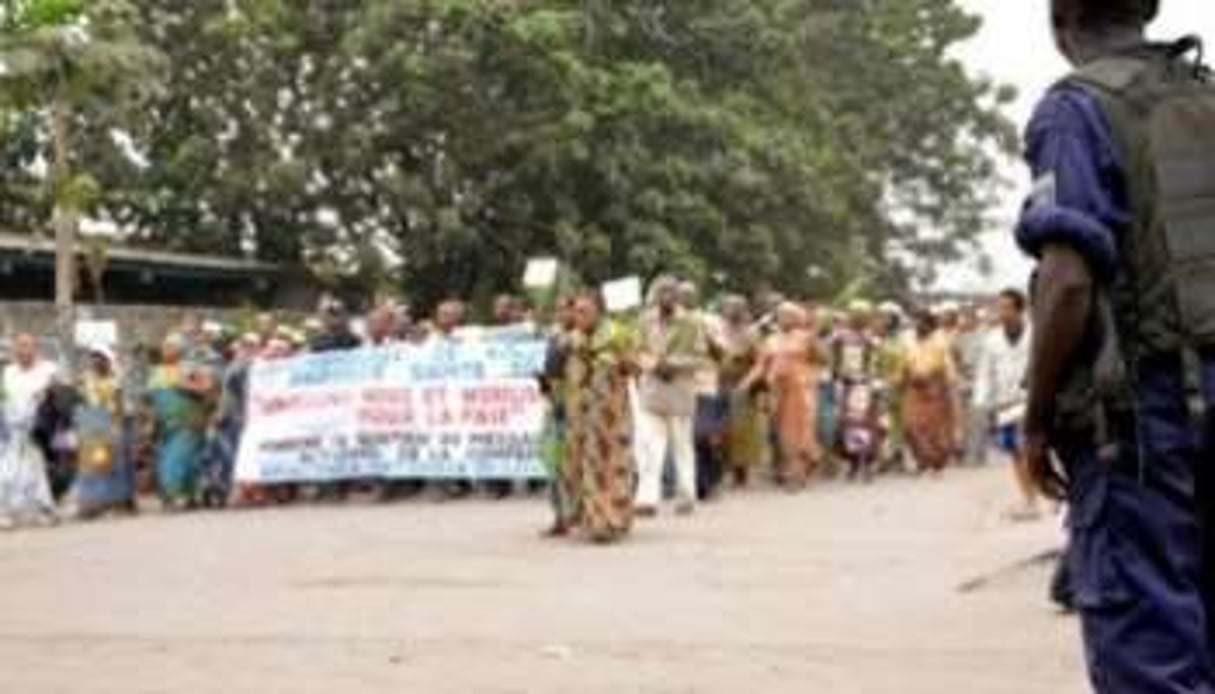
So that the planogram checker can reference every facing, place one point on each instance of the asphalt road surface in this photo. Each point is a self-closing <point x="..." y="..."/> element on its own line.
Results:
<point x="907" y="586"/>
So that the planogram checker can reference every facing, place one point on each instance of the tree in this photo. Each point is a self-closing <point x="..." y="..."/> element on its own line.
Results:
<point x="61" y="59"/>
<point x="795" y="142"/>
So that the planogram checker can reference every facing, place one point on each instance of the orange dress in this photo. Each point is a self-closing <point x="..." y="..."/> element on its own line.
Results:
<point x="929" y="376"/>
<point x="792" y="375"/>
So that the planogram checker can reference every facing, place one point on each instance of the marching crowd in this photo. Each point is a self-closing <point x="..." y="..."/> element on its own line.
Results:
<point x="679" y="398"/>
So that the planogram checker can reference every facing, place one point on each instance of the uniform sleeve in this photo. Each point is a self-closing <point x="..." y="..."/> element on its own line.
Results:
<point x="1079" y="193"/>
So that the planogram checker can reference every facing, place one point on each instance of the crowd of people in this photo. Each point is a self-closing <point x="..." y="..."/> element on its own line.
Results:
<point x="679" y="399"/>
<point x="721" y="396"/>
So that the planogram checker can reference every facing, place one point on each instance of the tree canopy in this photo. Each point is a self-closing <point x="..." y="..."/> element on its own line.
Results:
<point x="433" y="146"/>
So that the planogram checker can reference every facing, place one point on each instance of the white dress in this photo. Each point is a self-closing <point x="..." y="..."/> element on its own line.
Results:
<point x="24" y="487"/>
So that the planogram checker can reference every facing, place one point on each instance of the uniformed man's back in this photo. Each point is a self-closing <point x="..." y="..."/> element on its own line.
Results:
<point x="1122" y="218"/>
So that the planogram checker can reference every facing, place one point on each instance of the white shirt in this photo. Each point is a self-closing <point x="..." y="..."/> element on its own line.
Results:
<point x="23" y="390"/>
<point x="1000" y="378"/>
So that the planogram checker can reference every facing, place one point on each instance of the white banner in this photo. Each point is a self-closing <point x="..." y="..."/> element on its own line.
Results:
<point x="445" y="410"/>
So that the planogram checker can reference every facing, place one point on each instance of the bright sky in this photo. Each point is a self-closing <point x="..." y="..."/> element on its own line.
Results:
<point x="1015" y="47"/>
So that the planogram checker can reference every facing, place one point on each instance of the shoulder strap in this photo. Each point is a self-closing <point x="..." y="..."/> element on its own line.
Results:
<point x="1115" y="74"/>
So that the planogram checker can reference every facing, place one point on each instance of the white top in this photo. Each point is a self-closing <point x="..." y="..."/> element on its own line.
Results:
<point x="1000" y="380"/>
<point x="23" y="390"/>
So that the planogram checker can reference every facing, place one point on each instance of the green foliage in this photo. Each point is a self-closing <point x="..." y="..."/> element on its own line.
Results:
<point x="80" y="59"/>
<point x="796" y="143"/>
<point x="26" y="15"/>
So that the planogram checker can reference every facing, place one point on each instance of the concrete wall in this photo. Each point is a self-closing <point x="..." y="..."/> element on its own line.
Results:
<point x="136" y="324"/>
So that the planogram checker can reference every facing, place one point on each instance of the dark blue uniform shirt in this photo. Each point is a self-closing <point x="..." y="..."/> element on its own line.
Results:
<point x="1079" y="195"/>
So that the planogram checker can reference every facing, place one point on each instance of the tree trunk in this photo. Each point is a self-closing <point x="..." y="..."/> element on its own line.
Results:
<point x="65" y="222"/>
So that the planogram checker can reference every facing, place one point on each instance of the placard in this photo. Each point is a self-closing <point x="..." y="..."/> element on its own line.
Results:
<point x="541" y="273"/>
<point x="622" y="295"/>
<point x="97" y="333"/>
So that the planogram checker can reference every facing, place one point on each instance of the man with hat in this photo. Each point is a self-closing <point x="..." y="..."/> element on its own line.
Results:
<point x="1122" y="369"/>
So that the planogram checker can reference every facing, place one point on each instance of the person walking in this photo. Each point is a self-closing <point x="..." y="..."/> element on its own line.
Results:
<point x="789" y="369"/>
<point x="181" y="394"/>
<point x="1122" y="380"/>
<point x="747" y="430"/>
<point x="854" y="369"/>
<point x="1000" y="391"/>
<point x="25" y="490"/>
<point x="105" y="478"/>
<point x="928" y="385"/>
<point x="673" y="346"/>
<point x="231" y="416"/>
<point x="598" y="474"/>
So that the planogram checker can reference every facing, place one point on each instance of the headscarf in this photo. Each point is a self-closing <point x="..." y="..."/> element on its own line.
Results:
<point x="658" y="286"/>
<point x="105" y="352"/>
<point x="794" y="311"/>
<point x="860" y="308"/>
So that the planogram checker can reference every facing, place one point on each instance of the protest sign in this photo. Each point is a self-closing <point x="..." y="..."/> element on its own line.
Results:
<point x="97" y="333"/>
<point x="541" y="273"/>
<point x="622" y="295"/>
<point x="444" y="410"/>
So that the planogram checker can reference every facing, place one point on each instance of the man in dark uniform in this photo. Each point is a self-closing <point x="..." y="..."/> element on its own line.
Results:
<point x="1119" y="382"/>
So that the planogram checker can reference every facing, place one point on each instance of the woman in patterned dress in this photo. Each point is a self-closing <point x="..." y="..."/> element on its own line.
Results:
<point x="180" y="394"/>
<point x="747" y="428"/>
<point x="789" y="366"/>
<point x="105" y="480"/>
<point x="599" y="472"/>
<point x="929" y="379"/>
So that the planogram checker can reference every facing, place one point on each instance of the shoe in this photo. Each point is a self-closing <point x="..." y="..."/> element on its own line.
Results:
<point x="558" y="530"/>
<point x="686" y="508"/>
<point x="645" y="512"/>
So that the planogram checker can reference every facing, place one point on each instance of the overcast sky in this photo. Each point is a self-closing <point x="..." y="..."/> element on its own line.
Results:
<point x="1015" y="47"/>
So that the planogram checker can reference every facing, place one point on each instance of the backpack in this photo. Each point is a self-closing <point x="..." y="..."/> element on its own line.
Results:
<point x="1160" y="105"/>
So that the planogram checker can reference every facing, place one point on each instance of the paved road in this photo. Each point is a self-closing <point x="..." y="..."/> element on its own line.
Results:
<point x="843" y="589"/>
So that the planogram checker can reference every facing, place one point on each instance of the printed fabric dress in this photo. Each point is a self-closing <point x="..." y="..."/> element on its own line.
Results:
<point x="180" y="412"/>
<point x="928" y="403"/>
<point x="599" y="469"/>
<point x="792" y="376"/>
<point x="855" y="359"/>
<point x="105" y="478"/>
<point x="747" y="429"/>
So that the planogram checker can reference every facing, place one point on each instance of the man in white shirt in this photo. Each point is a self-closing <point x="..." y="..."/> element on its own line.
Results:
<point x="673" y="348"/>
<point x="1000" y="390"/>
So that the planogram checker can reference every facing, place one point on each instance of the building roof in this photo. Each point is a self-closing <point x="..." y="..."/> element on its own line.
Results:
<point x="40" y="247"/>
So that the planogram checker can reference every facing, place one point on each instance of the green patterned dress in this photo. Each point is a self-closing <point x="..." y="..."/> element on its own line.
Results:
<point x="599" y="472"/>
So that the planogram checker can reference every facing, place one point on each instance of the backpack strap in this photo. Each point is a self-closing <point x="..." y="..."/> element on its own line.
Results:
<point x="1115" y="74"/>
